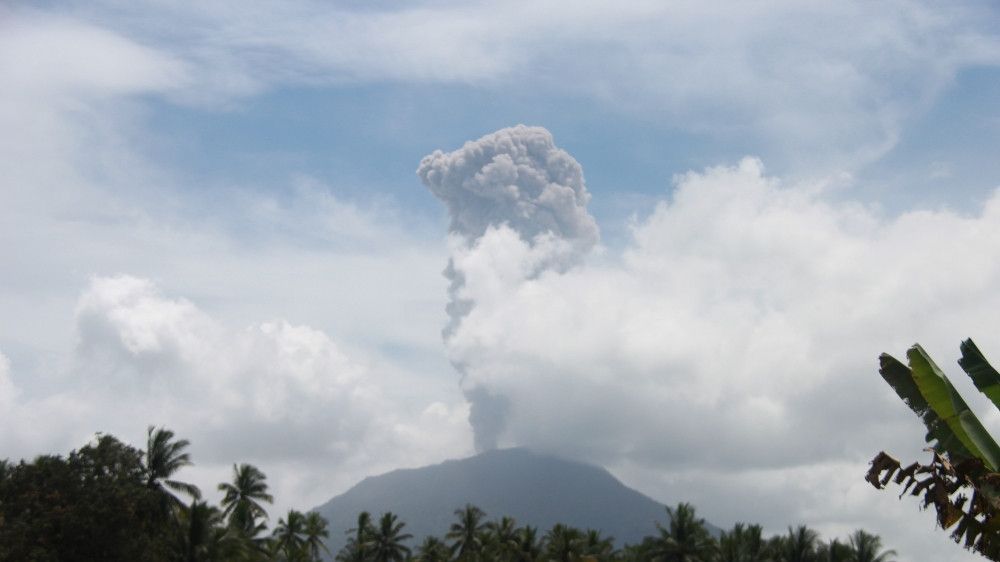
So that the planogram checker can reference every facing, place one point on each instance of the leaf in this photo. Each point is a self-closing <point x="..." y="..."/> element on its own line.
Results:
<point x="900" y="378"/>
<point x="948" y="404"/>
<point x="983" y="375"/>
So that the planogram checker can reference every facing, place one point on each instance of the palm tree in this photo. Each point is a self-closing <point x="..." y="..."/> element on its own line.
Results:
<point x="387" y="540"/>
<point x="529" y="548"/>
<point x="834" y="551"/>
<point x="289" y="536"/>
<point x="743" y="544"/>
<point x="467" y="532"/>
<point x="315" y="531"/>
<point x="799" y="545"/>
<point x="596" y="546"/>
<point x="503" y="537"/>
<point x="563" y="543"/>
<point x="243" y="499"/>
<point x="356" y="549"/>
<point x="205" y="538"/>
<point x="866" y="547"/>
<point x="433" y="549"/>
<point x="164" y="457"/>
<point x="685" y="540"/>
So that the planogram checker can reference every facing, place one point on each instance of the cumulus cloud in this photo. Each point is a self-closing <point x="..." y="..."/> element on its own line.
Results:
<point x="518" y="181"/>
<point x="285" y="397"/>
<point x="737" y="333"/>
<point x="740" y="303"/>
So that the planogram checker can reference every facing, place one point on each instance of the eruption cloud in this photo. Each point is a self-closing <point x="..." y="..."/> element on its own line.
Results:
<point x="514" y="183"/>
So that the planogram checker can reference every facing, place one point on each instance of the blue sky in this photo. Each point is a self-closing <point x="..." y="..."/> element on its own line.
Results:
<point x="212" y="220"/>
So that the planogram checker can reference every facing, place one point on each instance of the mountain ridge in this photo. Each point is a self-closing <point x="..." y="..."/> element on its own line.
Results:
<point x="533" y="488"/>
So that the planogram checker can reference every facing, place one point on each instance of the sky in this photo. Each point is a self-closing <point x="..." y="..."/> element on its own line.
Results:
<point x="338" y="238"/>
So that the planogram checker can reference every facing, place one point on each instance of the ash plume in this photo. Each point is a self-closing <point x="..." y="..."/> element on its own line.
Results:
<point x="517" y="179"/>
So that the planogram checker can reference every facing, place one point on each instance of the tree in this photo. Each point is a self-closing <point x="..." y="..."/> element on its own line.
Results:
<point x="243" y="499"/>
<point x="834" y="551"/>
<point x="529" y="547"/>
<point x="563" y="543"/>
<point x="315" y="531"/>
<point x="467" y="533"/>
<point x="685" y="540"/>
<point x="356" y="549"/>
<point x="596" y="546"/>
<point x="163" y="458"/>
<point x="433" y="549"/>
<point x="92" y="505"/>
<point x="205" y="537"/>
<point x="743" y="544"/>
<point x="289" y="536"/>
<point x="387" y="540"/>
<point x="799" y="546"/>
<point x="502" y="537"/>
<point x="866" y="547"/>
<point x="961" y="481"/>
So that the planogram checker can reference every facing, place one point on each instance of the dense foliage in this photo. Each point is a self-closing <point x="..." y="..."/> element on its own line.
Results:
<point x="109" y="501"/>
<point x="685" y="538"/>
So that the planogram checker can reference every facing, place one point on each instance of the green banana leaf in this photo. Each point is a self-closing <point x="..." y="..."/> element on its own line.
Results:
<point x="948" y="404"/>
<point x="900" y="378"/>
<point x="983" y="375"/>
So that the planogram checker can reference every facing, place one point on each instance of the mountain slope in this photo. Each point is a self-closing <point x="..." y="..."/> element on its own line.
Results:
<point x="535" y="489"/>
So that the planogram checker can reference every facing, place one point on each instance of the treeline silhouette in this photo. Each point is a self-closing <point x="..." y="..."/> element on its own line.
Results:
<point x="109" y="501"/>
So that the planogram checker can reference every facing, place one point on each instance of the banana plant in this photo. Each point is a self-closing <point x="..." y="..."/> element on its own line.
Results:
<point x="962" y="481"/>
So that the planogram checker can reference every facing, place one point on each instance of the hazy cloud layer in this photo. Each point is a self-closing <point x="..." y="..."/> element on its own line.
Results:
<point x="785" y="74"/>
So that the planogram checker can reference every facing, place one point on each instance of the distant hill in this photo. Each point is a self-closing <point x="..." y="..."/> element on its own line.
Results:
<point x="534" y="489"/>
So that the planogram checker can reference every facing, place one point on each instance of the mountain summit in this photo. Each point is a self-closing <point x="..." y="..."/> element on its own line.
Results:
<point x="534" y="489"/>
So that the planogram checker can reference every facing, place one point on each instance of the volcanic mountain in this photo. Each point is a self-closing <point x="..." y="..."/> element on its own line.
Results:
<point x="534" y="489"/>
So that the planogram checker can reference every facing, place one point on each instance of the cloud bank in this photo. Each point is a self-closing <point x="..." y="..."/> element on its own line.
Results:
<point x="737" y="333"/>
<point x="285" y="397"/>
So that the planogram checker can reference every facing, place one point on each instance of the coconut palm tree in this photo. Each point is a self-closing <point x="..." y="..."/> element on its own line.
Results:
<point x="743" y="544"/>
<point x="289" y="536"/>
<point x="315" y="531"/>
<point x="243" y="499"/>
<point x="597" y="546"/>
<point x="387" y="540"/>
<point x="866" y="547"/>
<point x="433" y="549"/>
<point x="799" y="546"/>
<point x="834" y="551"/>
<point x="204" y="537"/>
<point x="529" y="547"/>
<point x="685" y="539"/>
<point x="564" y="543"/>
<point x="356" y="549"/>
<point x="163" y="458"/>
<point x="502" y="537"/>
<point x="467" y="533"/>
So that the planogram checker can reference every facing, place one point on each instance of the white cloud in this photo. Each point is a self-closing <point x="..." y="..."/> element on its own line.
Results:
<point x="784" y="75"/>
<point x="7" y="390"/>
<point x="284" y="397"/>
<point x="736" y="335"/>
<point x="51" y="56"/>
